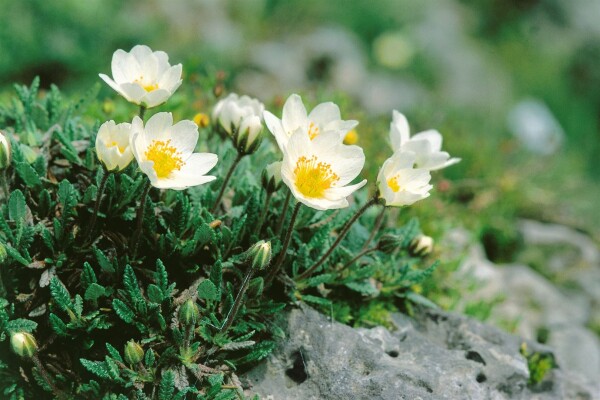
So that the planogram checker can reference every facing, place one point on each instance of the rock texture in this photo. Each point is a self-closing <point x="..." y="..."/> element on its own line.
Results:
<point x="433" y="356"/>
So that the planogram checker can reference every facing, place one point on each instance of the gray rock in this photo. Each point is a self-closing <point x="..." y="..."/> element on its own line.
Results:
<point x="433" y="356"/>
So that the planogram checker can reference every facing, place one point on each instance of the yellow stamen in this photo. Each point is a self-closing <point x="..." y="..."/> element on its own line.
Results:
<point x="351" y="137"/>
<point x="393" y="183"/>
<point x="313" y="131"/>
<point x="115" y="144"/>
<point x="202" y="120"/>
<point x="147" y="88"/>
<point x="166" y="158"/>
<point x="313" y="178"/>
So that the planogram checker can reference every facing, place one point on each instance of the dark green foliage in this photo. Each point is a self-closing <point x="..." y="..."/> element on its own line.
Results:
<point x="84" y="295"/>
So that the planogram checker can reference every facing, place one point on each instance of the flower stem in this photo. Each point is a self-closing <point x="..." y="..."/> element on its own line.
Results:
<point x="263" y="214"/>
<point x="142" y="112"/>
<point x="238" y="301"/>
<point x="135" y="240"/>
<point x="5" y="189"/>
<point x="226" y="181"/>
<point x="99" y="195"/>
<point x="345" y="229"/>
<point x="375" y="229"/>
<point x="57" y="392"/>
<point x="360" y="255"/>
<point x="286" y="243"/>
<point x="286" y="205"/>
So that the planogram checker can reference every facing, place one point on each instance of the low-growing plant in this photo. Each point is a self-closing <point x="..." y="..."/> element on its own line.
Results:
<point x="129" y="272"/>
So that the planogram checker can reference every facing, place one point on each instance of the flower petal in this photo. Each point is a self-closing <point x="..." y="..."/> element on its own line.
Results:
<point x="294" y="115"/>
<point x="275" y="126"/>
<point x="432" y="136"/>
<point x="399" y="130"/>
<point x="155" y="97"/>
<point x="325" y="113"/>
<point x="170" y="78"/>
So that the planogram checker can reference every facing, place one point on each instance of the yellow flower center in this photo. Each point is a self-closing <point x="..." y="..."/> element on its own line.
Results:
<point x="115" y="144"/>
<point x="166" y="157"/>
<point x="393" y="183"/>
<point x="147" y="88"/>
<point x="313" y="178"/>
<point x="313" y="130"/>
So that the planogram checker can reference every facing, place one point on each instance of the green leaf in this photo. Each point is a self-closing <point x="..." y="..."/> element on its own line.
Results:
<point x="363" y="287"/>
<point x="123" y="311"/>
<point x="316" y="300"/>
<point x="94" y="291"/>
<point x="58" y="325"/>
<point x="20" y="325"/>
<point x="15" y="255"/>
<point x="88" y="276"/>
<point x="60" y="294"/>
<point x="155" y="294"/>
<point x="28" y="174"/>
<point x="114" y="353"/>
<point x="97" y="368"/>
<point x="105" y="264"/>
<point x="167" y="386"/>
<point x="17" y="208"/>
<point x="207" y="290"/>
<point x="131" y="284"/>
<point x="67" y="196"/>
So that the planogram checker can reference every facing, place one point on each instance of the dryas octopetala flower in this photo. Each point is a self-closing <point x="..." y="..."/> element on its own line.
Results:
<point x="112" y="145"/>
<point x="426" y="145"/>
<point x="241" y="118"/>
<point x="399" y="183"/>
<point x="143" y="77"/>
<point x="271" y="177"/>
<point x="325" y="117"/>
<point x="164" y="152"/>
<point x="318" y="170"/>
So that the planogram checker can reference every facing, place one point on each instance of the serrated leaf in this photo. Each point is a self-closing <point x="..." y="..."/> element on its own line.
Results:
<point x="364" y="287"/>
<point x="155" y="294"/>
<point x="105" y="264"/>
<point x="207" y="290"/>
<point x="94" y="292"/>
<point x="97" y="368"/>
<point x="20" y="325"/>
<point x="316" y="300"/>
<point x="167" y="386"/>
<point x="59" y="294"/>
<point x="114" y="353"/>
<point x="28" y="174"/>
<point x="58" y="325"/>
<point x="123" y="311"/>
<point x="17" y="207"/>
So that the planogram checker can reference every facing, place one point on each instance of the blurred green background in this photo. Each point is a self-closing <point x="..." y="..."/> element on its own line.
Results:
<point x="513" y="85"/>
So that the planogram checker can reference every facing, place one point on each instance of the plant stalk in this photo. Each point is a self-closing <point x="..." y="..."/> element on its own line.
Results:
<point x="360" y="255"/>
<point x="286" y="205"/>
<point x="286" y="243"/>
<point x="345" y="229"/>
<point x="101" y="188"/>
<point x="263" y="214"/>
<point x="226" y="182"/>
<point x="142" y="112"/>
<point x="376" y="228"/>
<point x="238" y="301"/>
<point x="135" y="240"/>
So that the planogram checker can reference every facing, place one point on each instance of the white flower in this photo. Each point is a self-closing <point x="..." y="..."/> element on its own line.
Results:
<point x="164" y="152"/>
<point x="5" y="151"/>
<point x="112" y="145"/>
<point x="143" y="77"/>
<point x="241" y="118"/>
<point x="399" y="183"/>
<point x="324" y="118"/>
<point x="317" y="171"/>
<point x="426" y="145"/>
<point x="271" y="177"/>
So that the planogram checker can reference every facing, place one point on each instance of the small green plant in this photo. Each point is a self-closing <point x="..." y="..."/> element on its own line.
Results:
<point x="538" y="363"/>
<point x="129" y="272"/>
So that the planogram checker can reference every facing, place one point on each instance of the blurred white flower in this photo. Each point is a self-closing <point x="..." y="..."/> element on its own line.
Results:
<point x="399" y="183"/>
<point x="241" y="118"/>
<point x="271" y="177"/>
<point x="534" y="125"/>
<point x="427" y="145"/>
<point x="5" y="151"/>
<point x="143" y="77"/>
<point x="324" y="118"/>
<point x="317" y="171"/>
<point x="165" y="154"/>
<point x="112" y="145"/>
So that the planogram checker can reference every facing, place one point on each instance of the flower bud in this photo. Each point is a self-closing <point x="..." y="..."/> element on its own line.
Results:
<point x="23" y="344"/>
<point x="112" y="145"/>
<point x="421" y="246"/>
<point x="271" y="177"/>
<point x="133" y="352"/>
<point x="389" y="243"/>
<point x="260" y="255"/>
<point x="188" y="313"/>
<point x="247" y="137"/>
<point x="202" y="120"/>
<point x="5" y="152"/>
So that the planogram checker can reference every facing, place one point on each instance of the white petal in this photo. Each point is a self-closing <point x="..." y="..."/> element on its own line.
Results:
<point x="158" y="127"/>
<point x="399" y="130"/>
<point x="155" y="97"/>
<point x="113" y="85"/>
<point x="325" y="113"/>
<point x="170" y="78"/>
<point x="294" y="115"/>
<point x="133" y="92"/>
<point x="345" y="191"/>
<point x="432" y="136"/>
<point x="184" y="136"/>
<point x="274" y="125"/>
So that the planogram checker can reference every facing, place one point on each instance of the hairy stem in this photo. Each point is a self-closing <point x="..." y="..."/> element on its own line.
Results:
<point x="238" y="301"/>
<point x="55" y="390"/>
<point x="359" y="256"/>
<point x="376" y="228"/>
<point x="99" y="195"/>
<point x="135" y="240"/>
<point x="286" y="205"/>
<point x="345" y="229"/>
<point x="286" y="243"/>
<point x="226" y="182"/>
<point x="263" y="214"/>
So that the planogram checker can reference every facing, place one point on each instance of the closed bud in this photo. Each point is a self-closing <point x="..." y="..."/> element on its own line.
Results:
<point x="240" y="117"/>
<point x="133" y="352"/>
<point x="260" y="255"/>
<point x="188" y="313"/>
<point x="23" y="344"/>
<point x="271" y="177"/>
<point x="389" y="243"/>
<point x="421" y="246"/>
<point x="5" y="152"/>
<point x="247" y="137"/>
